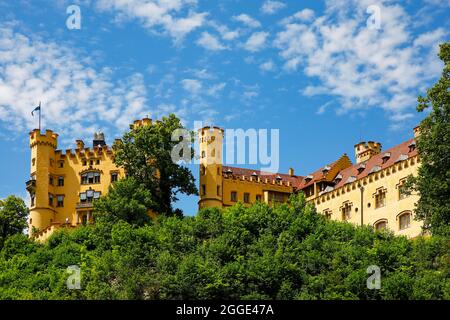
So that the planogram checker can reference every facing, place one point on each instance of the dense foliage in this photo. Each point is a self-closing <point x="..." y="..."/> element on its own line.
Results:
<point x="284" y="252"/>
<point x="433" y="179"/>
<point x="13" y="217"/>
<point x="145" y="152"/>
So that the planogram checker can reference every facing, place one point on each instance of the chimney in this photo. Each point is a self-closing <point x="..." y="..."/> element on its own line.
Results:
<point x="364" y="151"/>
<point x="291" y="172"/>
<point x="99" y="140"/>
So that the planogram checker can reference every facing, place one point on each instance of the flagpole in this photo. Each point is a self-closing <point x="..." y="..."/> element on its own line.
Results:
<point x="40" y="112"/>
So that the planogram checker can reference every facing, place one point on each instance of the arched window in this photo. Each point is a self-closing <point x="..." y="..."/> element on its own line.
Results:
<point x="202" y="170"/>
<point x="404" y="220"/>
<point x="380" y="225"/>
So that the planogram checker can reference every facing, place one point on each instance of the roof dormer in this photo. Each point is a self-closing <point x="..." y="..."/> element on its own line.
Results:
<point x="386" y="157"/>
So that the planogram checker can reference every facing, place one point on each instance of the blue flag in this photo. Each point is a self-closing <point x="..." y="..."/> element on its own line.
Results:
<point x="38" y="108"/>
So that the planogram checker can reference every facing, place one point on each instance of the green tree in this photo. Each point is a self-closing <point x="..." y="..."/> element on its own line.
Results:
<point x="13" y="217"/>
<point x="126" y="200"/>
<point x="433" y="179"/>
<point x="287" y="251"/>
<point x="145" y="154"/>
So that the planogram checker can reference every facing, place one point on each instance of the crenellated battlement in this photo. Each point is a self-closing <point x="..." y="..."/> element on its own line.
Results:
<point x="87" y="153"/>
<point x="140" y="123"/>
<point x="50" y="138"/>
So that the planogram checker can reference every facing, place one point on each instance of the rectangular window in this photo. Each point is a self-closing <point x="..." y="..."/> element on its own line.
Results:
<point x="380" y="198"/>
<point x="32" y="200"/>
<point x="246" y="197"/>
<point x="203" y="189"/>
<point x="91" y="177"/>
<point x="60" y="181"/>
<point x="258" y="197"/>
<point x="97" y="162"/>
<point x="84" y="162"/>
<point x="50" y="200"/>
<point x="233" y="196"/>
<point x="60" y="201"/>
<point x="50" y="180"/>
<point x="61" y="164"/>
<point x="218" y="190"/>
<point x="276" y="197"/>
<point x="114" y="177"/>
<point x="346" y="211"/>
<point x="402" y="194"/>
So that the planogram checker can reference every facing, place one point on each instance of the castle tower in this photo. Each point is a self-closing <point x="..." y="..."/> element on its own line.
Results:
<point x="41" y="184"/>
<point x="211" y="142"/>
<point x="364" y="151"/>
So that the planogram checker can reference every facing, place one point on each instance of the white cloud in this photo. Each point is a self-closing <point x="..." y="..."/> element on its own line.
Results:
<point x="363" y="68"/>
<point x="215" y="89"/>
<point x="75" y="95"/>
<point x="203" y="74"/>
<point x="256" y="41"/>
<point x="247" y="20"/>
<point x="267" y="66"/>
<point x="210" y="42"/>
<point x="304" y="15"/>
<point x="158" y="15"/>
<point x="193" y="86"/>
<point x="323" y="107"/>
<point x="228" y="34"/>
<point x="271" y="7"/>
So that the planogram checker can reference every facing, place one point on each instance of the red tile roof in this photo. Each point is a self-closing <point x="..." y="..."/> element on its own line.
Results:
<point x="396" y="153"/>
<point x="315" y="176"/>
<point x="377" y="160"/>
<point x="239" y="172"/>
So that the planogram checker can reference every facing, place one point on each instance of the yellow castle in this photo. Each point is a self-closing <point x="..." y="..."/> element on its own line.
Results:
<point x="64" y="185"/>
<point x="367" y="192"/>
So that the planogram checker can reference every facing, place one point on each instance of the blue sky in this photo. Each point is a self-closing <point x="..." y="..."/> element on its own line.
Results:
<point x="315" y="70"/>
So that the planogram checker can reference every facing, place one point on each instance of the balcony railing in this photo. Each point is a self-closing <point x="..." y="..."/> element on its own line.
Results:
<point x="84" y="205"/>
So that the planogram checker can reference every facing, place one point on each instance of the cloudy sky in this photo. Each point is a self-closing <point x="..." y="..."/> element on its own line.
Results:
<point x="326" y="73"/>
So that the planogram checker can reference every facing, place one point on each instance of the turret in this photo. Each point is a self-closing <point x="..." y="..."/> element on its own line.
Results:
<point x="364" y="151"/>
<point x="417" y="132"/>
<point x="43" y="147"/>
<point x="211" y="142"/>
<point x="99" y="140"/>
<point x="140" y="123"/>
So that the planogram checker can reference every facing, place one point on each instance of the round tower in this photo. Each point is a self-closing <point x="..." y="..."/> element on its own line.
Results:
<point x="211" y="142"/>
<point x="40" y="186"/>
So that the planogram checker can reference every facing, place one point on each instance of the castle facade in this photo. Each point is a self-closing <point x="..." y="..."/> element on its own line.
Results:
<point x="369" y="191"/>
